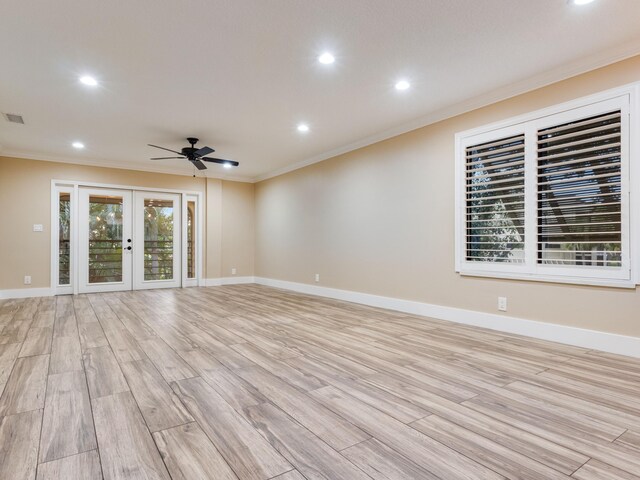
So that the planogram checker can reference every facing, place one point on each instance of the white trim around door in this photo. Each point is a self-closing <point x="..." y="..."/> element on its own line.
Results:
<point x="157" y="261"/>
<point x="67" y="269"/>
<point x="104" y="249"/>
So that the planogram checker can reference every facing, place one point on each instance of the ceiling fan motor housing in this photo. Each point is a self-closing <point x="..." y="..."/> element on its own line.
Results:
<point x="189" y="152"/>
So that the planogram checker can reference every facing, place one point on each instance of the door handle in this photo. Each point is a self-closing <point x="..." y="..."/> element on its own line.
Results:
<point x="128" y="248"/>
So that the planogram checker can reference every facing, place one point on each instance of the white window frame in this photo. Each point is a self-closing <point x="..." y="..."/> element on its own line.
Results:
<point x="56" y="190"/>
<point x="199" y="219"/>
<point x="627" y="99"/>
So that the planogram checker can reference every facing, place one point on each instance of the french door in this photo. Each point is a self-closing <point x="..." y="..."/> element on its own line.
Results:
<point x="128" y="240"/>
<point x="156" y="240"/>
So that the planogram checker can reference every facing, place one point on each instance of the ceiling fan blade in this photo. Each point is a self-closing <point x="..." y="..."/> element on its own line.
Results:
<point x="203" y="151"/>
<point x="221" y="161"/>
<point x="165" y="158"/>
<point x="199" y="165"/>
<point x="168" y="150"/>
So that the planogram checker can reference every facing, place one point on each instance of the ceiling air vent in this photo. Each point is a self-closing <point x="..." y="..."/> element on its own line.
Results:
<point x="14" y="118"/>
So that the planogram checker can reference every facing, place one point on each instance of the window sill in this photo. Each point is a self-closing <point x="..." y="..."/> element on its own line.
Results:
<point x="591" y="282"/>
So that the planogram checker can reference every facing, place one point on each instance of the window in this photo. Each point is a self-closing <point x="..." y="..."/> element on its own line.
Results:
<point x="64" y="238"/>
<point x="495" y="201"/>
<point x="546" y="196"/>
<point x="191" y="239"/>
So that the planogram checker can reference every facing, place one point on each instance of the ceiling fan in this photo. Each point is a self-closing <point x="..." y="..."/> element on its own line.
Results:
<point x="196" y="155"/>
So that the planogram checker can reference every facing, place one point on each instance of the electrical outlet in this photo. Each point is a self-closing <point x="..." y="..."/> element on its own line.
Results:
<point x="502" y="304"/>
<point x="27" y="279"/>
<point x="317" y="277"/>
<point x="37" y="227"/>
<point x="233" y="271"/>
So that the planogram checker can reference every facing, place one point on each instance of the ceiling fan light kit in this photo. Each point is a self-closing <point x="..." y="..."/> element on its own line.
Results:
<point x="196" y="155"/>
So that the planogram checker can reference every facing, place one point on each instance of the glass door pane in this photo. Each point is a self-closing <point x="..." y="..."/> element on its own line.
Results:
<point x="158" y="239"/>
<point x="64" y="238"/>
<point x="191" y="239"/>
<point x="105" y="239"/>
<point x="105" y="249"/>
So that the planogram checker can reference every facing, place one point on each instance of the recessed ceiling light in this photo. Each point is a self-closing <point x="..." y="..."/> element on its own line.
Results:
<point x="88" y="80"/>
<point x="303" y="127"/>
<point x="581" y="2"/>
<point x="326" y="58"/>
<point x="227" y="165"/>
<point x="78" y="145"/>
<point x="402" y="85"/>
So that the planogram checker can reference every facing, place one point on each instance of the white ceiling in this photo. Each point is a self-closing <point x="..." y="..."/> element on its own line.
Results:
<point x="241" y="74"/>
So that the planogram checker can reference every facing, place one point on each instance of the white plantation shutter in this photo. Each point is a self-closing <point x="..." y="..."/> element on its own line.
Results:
<point x="495" y="201"/>
<point x="548" y="197"/>
<point x="579" y="192"/>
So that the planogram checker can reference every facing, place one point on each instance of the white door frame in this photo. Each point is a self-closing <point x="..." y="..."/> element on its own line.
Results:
<point x="82" y="271"/>
<point x="73" y="186"/>
<point x="139" y="282"/>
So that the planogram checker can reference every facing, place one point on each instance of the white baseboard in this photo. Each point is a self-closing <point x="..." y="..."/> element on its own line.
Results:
<point x="26" y="293"/>
<point x="580" y="337"/>
<point x="216" y="282"/>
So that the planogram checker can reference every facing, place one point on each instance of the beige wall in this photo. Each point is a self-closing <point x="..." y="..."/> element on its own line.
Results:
<point x="380" y="220"/>
<point x="25" y="187"/>
<point x="238" y="234"/>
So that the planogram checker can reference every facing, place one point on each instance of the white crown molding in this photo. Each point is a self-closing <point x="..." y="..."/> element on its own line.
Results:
<point x="26" y="293"/>
<point x="117" y="165"/>
<point x="568" y="70"/>
<point x="580" y="337"/>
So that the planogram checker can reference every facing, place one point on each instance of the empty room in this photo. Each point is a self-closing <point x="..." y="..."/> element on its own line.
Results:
<point x="330" y="239"/>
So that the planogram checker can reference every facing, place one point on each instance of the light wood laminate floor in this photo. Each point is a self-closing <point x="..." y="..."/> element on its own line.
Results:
<point x="249" y="382"/>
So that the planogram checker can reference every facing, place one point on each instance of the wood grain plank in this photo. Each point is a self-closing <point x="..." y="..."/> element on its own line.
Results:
<point x="595" y="470"/>
<point x="382" y="463"/>
<point x="330" y="427"/>
<point x="37" y="342"/>
<point x="426" y="452"/>
<point x="19" y="445"/>
<point x="589" y="408"/>
<point x="237" y="392"/>
<point x="160" y="406"/>
<point x="25" y="389"/>
<point x="171" y="366"/>
<point x="290" y="475"/>
<point x="67" y="426"/>
<point x="392" y="405"/>
<point x="548" y="452"/>
<point x="609" y="453"/>
<point x="123" y="344"/>
<point x="8" y="354"/>
<point x="497" y="457"/>
<point x="279" y="369"/>
<point x="16" y="330"/>
<point x="65" y="324"/>
<point x="630" y="439"/>
<point x="127" y="450"/>
<point x="311" y="457"/>
<point x="103" y="372"/>
<point x="84" y="466"/>
<point x="190" y="455"/>
<point x="66" y="355"/>
<point x="91" y="335"/>
<point x="134" y="324"/>
<point x="44" y="318"/>
<point x="248" y="454"/>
